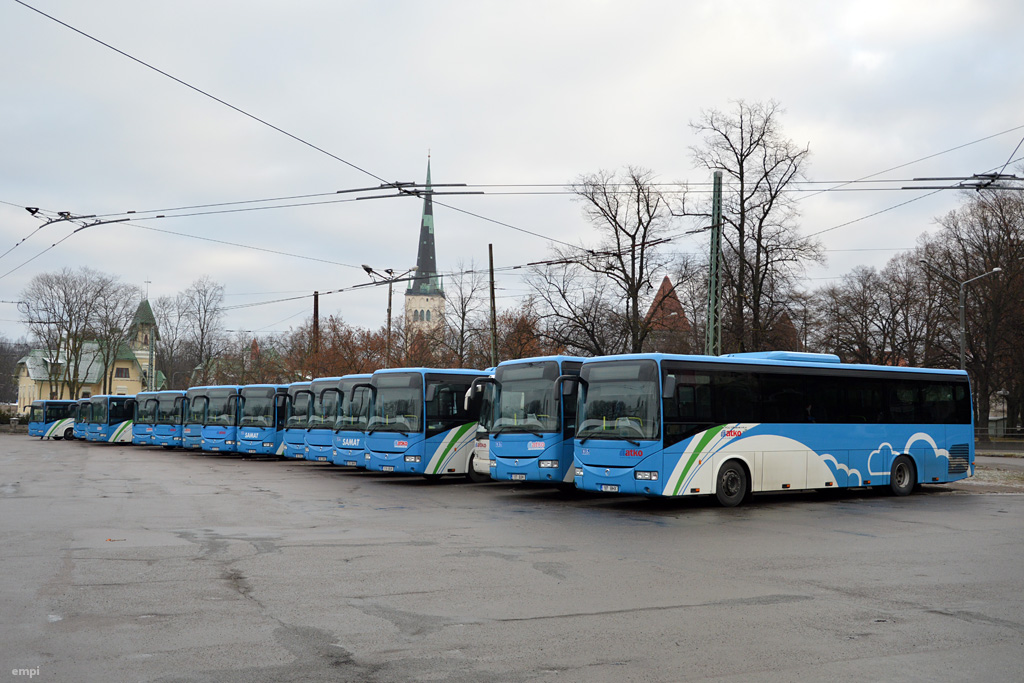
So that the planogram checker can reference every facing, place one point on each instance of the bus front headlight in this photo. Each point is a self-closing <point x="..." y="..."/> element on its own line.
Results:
<point x="548" y="464"/>
<point x="646" y="476"/>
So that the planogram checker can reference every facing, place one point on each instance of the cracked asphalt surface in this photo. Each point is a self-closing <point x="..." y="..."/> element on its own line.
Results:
<point x="129" y="564"/>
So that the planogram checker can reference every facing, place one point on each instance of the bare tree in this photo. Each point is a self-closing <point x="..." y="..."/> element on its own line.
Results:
<point x="578" y="313"/>
<point x="206" y="333"/>
<point x="598" y="299"/>
<point x="763" y="253"/>
<point x="10" y="353"/>
<point x="116" y="304"/>
<point x="171" y="313"/>
<point x="59" y="310"/>
<point x="463" y="323"/>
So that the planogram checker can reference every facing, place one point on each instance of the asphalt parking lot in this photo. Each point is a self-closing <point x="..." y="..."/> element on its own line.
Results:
<point x="129" y="564"/>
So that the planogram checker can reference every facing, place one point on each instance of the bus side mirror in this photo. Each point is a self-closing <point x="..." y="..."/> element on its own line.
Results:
<point x="668" y="388"/>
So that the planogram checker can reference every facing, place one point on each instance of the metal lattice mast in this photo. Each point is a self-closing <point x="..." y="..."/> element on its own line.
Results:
<point x="713" y="331"/>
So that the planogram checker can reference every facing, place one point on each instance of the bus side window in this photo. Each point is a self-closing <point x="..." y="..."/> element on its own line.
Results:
<point x="903" y="403"/>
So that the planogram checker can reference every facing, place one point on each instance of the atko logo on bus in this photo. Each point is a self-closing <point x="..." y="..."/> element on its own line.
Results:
<point x="632" y="453"/>
<point x="735" y="431"/>
<point x="401" y="444"/>
<point x="535" y="446"/>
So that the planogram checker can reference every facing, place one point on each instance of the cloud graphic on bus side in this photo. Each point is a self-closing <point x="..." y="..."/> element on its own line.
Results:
<point x="922" y="436"/>
<point x="840" y="466"/>
<point x="887" y="453"/>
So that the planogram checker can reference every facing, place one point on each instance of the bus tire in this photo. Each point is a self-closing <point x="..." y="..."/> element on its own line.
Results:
<point x="69" y="433"/>
<point x="474" y="476"/>
<point x="733" y="484"/>
<point x="903" y="477"/>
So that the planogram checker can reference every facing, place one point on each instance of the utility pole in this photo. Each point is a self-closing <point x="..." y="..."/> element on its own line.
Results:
<point x="494" y="315"/>
<point x="389" y="278"/>
<point x="713" y="331"/>
<point x="316" y="334"/>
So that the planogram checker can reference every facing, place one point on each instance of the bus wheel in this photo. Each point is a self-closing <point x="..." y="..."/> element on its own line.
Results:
<point x="473" y="475"/>
<point x="732" y="484"/>
<point x="69" y="433"/>
<point x="903" y="476"/>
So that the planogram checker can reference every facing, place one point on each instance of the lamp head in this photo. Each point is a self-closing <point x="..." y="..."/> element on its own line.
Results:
<point x="32" y="210"/>
<point x="368" y="269"/>
<point x="997" y="269"/>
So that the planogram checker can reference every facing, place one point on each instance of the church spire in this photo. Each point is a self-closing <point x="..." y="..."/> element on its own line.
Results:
<point x="426" y="281"/>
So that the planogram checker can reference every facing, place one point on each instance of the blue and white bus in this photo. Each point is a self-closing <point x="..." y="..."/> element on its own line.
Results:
<point x="144" y="419"/>
<point x="220" y="428"/>
<point x="195" y="416"/>
<point x="731" y="426"/>
<point x="531" y="437"/>
<point x="170" y="415"/>
<point x="261" y="429"/>
<point x="81" y="414"/>
<point x="110" y="418"/>
<point x="52" y="419"/>
<point x="419" y="423"/>
<point x="350" y="427"/>
<point x="323" y="413"/>
<point x="296" y="420"/>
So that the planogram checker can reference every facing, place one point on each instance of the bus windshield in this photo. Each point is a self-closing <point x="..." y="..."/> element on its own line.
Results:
<point x="258" y="407"/>
<point x="324" y="404"/>
<point x="196" y="410"/>
<point x="98" y="414"/>
<point x="221" y="408"/>
<point x="169" y="410"/>
<point x="36" y="414"/>
<point x="298" y="408"/>
<point x="622" y="401"/>
<point x="146" y="412"/>
<point x="526" y="399"/>
<point x="399" y="403"/>
<point x="354" y="413"/>
<point x="486" y="422"/>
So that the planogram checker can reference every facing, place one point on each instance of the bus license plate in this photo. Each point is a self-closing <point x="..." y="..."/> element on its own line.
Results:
<point x="388" y="468"/>
<point x="518" y="477"/>
<point x="321" y="458"/>
<point x="252" y="450"/>
<point x="350" y="463"/>
<point x="610" y="488"/>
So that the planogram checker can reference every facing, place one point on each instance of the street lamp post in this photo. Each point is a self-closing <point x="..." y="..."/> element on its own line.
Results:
<point x="963" y="304"/>
<point x="390" y="278"/>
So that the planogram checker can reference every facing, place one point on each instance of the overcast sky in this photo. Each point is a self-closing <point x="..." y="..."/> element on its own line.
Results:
<point x="500" y="93"/>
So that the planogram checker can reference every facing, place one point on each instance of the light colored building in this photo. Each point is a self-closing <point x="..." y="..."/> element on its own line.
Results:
<point x="41" y="376"/>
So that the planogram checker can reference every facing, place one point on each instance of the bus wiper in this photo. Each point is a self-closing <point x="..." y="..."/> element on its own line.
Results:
<point x="635" y="443"/>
